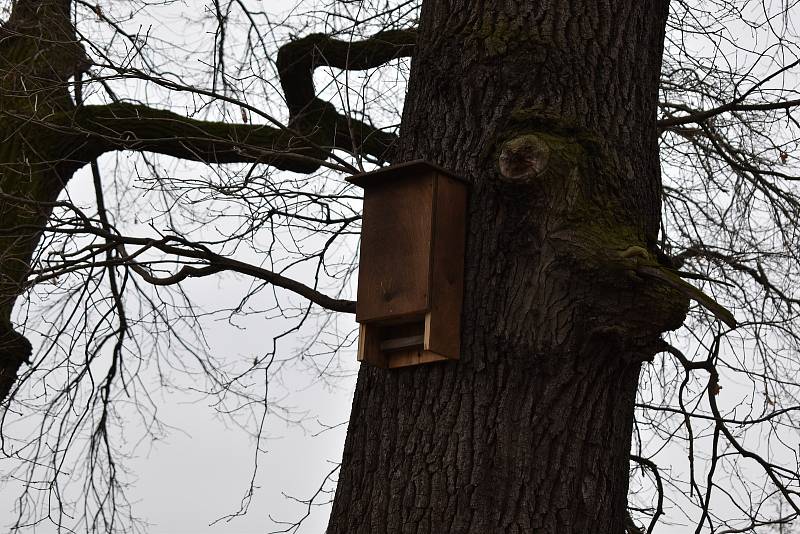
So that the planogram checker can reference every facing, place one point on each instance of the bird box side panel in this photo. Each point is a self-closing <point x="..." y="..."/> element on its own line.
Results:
<point x="369" y="349"/>
<point x="396" y="235"/>
<point x="443" y="322"/>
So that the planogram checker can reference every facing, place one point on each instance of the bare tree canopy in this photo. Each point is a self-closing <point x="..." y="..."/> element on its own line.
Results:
<point x="630" y="339"/>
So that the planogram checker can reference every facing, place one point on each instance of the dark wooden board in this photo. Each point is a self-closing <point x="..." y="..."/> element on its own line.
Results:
<point x="443" y="322"/>
<point x="394" y="268"/>
<point x="369" y="351"/>
<point x="369" y="346"/>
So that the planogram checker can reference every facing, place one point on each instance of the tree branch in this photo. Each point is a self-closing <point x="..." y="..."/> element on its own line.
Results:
<point x="696" y="116"/>
<point x="315" y="127"/>
<point x="141" y="128"/>
<point x="211" y="264"/>
<point x="659" y="488"/>
<point x="737" y="104"/>
<point x="216" y="264"/>
<point x="298" y="59"/>
<point x="123" y="126"/>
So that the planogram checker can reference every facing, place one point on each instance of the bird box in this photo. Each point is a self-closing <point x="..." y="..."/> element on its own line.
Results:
<point x="411" y="270"/>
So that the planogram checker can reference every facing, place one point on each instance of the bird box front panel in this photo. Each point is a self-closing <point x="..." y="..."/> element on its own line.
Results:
<point x="395" y="264"/>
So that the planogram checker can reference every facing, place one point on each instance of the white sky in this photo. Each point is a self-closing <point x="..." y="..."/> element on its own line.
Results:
<point x="202" y="469"/>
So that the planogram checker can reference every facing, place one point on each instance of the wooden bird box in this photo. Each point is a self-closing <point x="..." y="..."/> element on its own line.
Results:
<point x="411" y="270"/>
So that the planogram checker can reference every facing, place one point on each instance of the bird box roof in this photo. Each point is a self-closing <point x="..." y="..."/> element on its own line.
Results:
<point x="399" y="171"/>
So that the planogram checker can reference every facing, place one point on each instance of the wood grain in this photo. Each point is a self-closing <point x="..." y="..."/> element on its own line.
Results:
<point x="394" y="269"/>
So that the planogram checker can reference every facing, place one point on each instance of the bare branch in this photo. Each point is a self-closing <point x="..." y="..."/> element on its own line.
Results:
<point x="298" y="59"/>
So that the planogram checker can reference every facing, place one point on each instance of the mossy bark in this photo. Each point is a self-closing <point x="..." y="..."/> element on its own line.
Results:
<point x="530" y="430"/>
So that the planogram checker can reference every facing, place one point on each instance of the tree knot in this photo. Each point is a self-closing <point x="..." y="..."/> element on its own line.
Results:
<point x="524" y="158"/>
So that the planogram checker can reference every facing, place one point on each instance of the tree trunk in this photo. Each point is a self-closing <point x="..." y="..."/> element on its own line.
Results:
<point x="548" y="108"/>
<point x="39" y="52"/>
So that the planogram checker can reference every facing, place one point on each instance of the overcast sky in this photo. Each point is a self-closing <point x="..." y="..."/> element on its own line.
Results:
<point x="200" y="471"/>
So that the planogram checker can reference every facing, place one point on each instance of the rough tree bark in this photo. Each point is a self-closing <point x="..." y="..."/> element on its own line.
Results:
<point x="36" y="60"/>
<point x="548" y="108"/>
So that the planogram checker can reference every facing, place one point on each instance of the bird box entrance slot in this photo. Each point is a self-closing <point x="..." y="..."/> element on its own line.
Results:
<point x="395" y="345"/>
